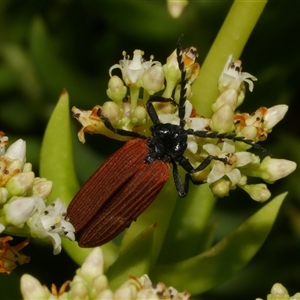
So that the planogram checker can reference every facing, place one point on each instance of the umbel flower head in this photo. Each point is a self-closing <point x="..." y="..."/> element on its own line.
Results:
<point x="91" y="283"/>
<point x="23" y="208"/>
<point x="127" y="111"/>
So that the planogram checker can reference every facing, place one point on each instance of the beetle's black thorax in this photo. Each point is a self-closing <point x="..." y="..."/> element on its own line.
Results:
<point x="168" y="142"/>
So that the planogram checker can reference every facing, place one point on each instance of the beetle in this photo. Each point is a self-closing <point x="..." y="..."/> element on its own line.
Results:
<point x="131" y="178"/>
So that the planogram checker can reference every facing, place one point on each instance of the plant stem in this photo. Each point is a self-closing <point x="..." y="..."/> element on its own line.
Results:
<point x="231" y="39"/>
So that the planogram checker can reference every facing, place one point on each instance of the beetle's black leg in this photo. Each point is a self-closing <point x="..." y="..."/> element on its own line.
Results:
<point x="184" y="162"/>
<point x="119" y="131"/>
<point x="229" y="136"/>
<point x="181" y="189"/>
<point x="183" y="82"/>
<point x="150" y="108"/>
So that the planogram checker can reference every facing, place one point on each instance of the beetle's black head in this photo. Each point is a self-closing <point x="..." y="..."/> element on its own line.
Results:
<point x="168" y="142"/>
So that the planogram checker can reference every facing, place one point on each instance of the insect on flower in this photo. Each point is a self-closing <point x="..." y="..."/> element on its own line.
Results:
<point x="129" y="180"/>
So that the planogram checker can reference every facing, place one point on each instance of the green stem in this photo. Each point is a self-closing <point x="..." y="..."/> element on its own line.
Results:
<point x="231" y="39"/>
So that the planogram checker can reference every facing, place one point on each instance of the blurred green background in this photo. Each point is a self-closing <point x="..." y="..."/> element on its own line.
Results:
<point x="46" y="46"/>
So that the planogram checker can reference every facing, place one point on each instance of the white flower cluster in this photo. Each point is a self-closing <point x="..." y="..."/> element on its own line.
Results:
<point x="23" y="207"/>
<point x="129" y="113"/>
<point x="90" y="283"/>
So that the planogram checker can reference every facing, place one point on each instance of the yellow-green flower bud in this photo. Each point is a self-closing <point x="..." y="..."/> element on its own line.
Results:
<point x="227" y="97"/>
<point x="172" y="74"/>
<point x="31" y="288"/>
<point x="116" y="90"/>
<point x="139" y="116"/>
<point x="42" y="187"/>
<point x="19" y="184"/>
<point x="27" y="167"/>
<point x="112" y="111"/>
<point x="273" y="169"/>
<point x="222" y="119"/>
<point x="274" y="115"/>
<point x="249" y="132"/>
<point x="220" y="188"/>
<point x="3" y="195"/>
<point x="92" y="266"/>
<point x="78" y="290"/>
<point x="258" y="192"/>
<point x="278" y="291"/>
<point x="176" y="8"/>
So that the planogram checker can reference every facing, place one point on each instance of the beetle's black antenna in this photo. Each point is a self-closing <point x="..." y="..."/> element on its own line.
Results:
<point x="183" y="81"/>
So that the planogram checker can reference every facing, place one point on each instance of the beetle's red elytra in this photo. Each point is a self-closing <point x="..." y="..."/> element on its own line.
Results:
<point x="116" y="194"/>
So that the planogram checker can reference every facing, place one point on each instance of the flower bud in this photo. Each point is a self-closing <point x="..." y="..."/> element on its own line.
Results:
<point x="17" y="150"/>
<point x="139" y="116"/>
<point x="279" y="291"/>
<point x="222" y="119"/>
<point x="31" y="288"/>
<point x="3" y="195"/>
<point x="116" y="90"/>
<point x="274" y="115"/>
<point x="153" y="79"/>
<point x="249" y="132"/>
<point x="19" y="184"/>
<point x="99" y="284"/>
<point x="42" y="187"/>
<point x="78" y="290"/>
<point x="27" y="167"/>
<point x="258" y="192"/>
<point x="19" y="210"/>
<point x="273" y="169"/>
<point x="220" y="188"/>
<point x="176" y="8"/>
<point x="227" y="97"/>
<point x="93" y="265"/>
<point x="172" y="74"/>
<point x="111" y="111"/>
<point x="127" y="292"/>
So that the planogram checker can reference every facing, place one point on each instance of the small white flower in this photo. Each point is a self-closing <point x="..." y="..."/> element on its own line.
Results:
<point x="236" y="160"/>
<point x="232" y="75"/>
<point x="132" y="70"/>
<point x="50" y="223"/>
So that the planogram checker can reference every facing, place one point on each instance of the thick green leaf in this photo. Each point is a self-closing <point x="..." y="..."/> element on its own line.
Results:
<point x="226" y="258"/>
<point x="56" y="162"/>
<point x="134" y="259"/>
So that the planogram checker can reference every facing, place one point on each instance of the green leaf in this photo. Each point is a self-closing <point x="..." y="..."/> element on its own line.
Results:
<point x="213" y="267"/>
<point x="134" y="259"/>
<point x="188" y="227"/>
<point x="56" y="161"/>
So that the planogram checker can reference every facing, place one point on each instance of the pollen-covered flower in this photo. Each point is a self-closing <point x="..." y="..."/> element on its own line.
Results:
<point x="10" y="257"/>
<point x="232" y="76"/>
<point x="235" y="161"/>
<point x="231" y="84"/>
<point x="50" y="223"/>
<point x="91" y="283"/>
<point x="256" y="126"/>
